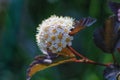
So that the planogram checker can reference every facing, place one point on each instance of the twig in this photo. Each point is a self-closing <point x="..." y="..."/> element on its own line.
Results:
<point x="90" y="62"/>
<point x="76" y="53"/>
<point x="114" y="58"/>
<point x="85" y="59"/>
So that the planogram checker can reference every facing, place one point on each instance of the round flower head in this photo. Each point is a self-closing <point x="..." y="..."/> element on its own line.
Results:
<point x="53" y="34"/>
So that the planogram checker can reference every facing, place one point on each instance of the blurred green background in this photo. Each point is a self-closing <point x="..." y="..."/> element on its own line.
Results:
<point x="18" y="22"/>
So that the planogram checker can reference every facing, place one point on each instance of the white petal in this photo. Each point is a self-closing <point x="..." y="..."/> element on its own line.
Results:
<point x="59" y="49"/>
<point x="55" y="45"/>
<point x="57" y="41"/>
<point x="54" y="51"/>
<point x="64" y="45"/>
<point x="118" y="14"/>
<point x="71" y="38"/>
<point x="118" y="19"/>
<point x="48" y="61"/>
<point x="49" y="39"/>
<point x="44" y="51"/>
<point x="119" y="10"/>
<point x="50" y="47"/>
<point x="70" y="44"/>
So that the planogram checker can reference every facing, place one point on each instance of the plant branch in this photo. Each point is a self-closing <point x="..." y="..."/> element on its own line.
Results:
<point x="90" y="62"/>
<point x="76" y="53"/>
<point x="85" y="59"/>
<point x="113" y="57"/>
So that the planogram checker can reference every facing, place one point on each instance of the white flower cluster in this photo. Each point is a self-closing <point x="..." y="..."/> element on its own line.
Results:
<point x="118" y="14"/>
<point x="53" y="34"/>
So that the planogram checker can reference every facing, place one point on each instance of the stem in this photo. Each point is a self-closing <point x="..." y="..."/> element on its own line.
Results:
<point x="96" y="63"/>
<point x="85" y="59"/>
<point x="76" y="53"/>
<point x="113" y="57"/>
<point x="90" y="62"/>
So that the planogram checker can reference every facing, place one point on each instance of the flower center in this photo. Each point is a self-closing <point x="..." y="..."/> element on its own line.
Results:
<point x="60" y="36"/>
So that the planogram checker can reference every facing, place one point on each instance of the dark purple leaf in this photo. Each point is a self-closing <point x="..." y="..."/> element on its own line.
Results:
<point x="115" y="7"/>
<point x="107" y="37"/>
<point x="87" y="22"/>
<point x="81" y="24"/>
<point x="112" y="72"/>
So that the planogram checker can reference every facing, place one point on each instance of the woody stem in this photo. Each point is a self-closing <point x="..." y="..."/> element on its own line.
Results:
<point x="90" y="62"/>
<point x="85" y="59"/>
<point x="113" y="57"/>
<point x="76" y="53"/>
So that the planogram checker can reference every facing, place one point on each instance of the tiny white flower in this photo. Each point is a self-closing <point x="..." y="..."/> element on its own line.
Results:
<point x="64" y="43"/>
<point x="119" y="14"/>
<point x="60" y="48"/>
<point x="118" y="10"/>
<point x="118" y="19"/>
<point x="56" y="46"/>
<point x="53" y="34"/>
<point x="69" y="44"/>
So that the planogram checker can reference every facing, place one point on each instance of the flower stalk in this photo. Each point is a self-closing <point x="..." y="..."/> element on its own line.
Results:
<point x="85" y="59"/>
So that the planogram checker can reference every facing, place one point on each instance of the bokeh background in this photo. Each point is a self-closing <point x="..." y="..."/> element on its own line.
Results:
<point x="18" y="22"/>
